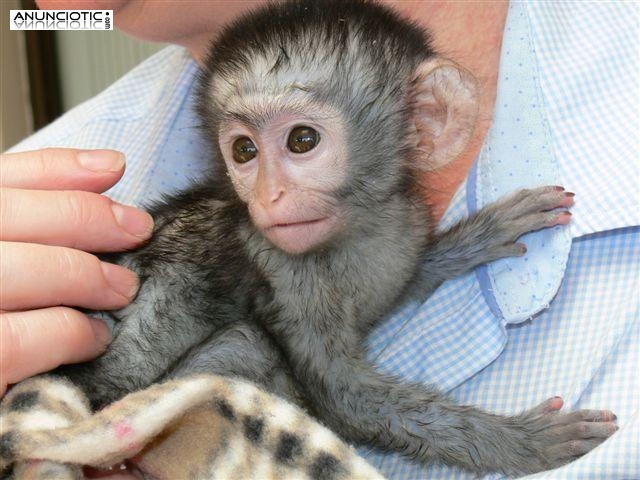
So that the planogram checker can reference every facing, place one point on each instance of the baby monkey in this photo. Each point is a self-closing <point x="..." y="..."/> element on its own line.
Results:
<point x="313" y="227"/>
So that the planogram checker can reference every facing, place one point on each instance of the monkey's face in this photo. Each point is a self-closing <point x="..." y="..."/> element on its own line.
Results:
<point x="287" y="167"/>
<point x="323" y="121"/>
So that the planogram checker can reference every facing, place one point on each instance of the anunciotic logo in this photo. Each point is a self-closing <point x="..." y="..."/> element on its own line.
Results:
<point x="61" y="20"/>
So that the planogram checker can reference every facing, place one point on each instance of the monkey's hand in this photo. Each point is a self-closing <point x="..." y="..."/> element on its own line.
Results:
<point x="547" y="439"/>
<point x="424" y="424"/>
<point x="492" y="233"/>
<point x="539" y="439"/>
<point x="497" y="226"/>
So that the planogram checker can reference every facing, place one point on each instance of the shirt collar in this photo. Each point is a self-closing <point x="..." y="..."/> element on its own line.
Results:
<point x="518" y="153"/>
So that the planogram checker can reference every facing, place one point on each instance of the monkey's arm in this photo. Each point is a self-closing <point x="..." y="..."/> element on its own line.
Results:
<point x="366" y="406"/>
<point x="491" y="234"/>
<point x="189" y="287"/>
<point x="151" y="334"/>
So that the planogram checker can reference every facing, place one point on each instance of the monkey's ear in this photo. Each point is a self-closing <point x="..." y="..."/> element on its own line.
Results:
<point x="445" y="108"/>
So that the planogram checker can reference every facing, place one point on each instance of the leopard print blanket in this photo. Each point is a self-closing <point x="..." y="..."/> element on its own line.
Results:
<point x="200" y="427"/>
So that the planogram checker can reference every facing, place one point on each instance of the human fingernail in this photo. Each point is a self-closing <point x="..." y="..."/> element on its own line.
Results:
<point x="101" y="331"/>
<point x="101" y="160"/>
<point x="120" y="279"/>
<point x="135" y="221"/>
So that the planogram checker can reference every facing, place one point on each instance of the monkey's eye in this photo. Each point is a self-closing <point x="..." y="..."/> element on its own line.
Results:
<point x="244" y="150"/>
<point x="302" y="139"/>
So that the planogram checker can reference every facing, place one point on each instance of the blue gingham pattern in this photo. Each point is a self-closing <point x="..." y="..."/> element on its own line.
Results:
<point x="147" y="114"/>
<point x="594" y="111"/>
<point x="564" y="320"/>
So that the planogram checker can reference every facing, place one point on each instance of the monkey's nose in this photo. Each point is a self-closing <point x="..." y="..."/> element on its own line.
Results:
<point x="272" y="182"/>
<point x="277" y="194"/>
<point x="270" y="193"/>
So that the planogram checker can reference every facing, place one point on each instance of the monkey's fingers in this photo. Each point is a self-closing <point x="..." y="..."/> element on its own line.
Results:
<point x="525" y="211"/>
<point x="566" y="452"/>
<point x="554" y="404"/>
<point x="590" y="416"/>
<point x="36" y="341"/>
<point x="566" y="436"/>
<point x="34" y="276"/>
<point x="541" y="199"/>
<point x="586" y="430"/>
<point x="550" y="405"/>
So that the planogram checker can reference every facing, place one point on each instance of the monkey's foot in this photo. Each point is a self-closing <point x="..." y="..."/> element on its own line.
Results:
<point x="556" y="438"/>
<point x="497" y="226"/>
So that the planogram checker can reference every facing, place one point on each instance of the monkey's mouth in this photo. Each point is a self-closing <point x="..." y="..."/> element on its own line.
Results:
<point x="298" y="224"/>
<point x="300" y="236"/>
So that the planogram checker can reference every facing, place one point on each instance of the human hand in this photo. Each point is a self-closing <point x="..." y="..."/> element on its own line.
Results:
<point x="51" y="215"/>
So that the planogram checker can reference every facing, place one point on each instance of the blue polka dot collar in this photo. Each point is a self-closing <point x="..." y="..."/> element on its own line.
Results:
<point x="518" y="154"/>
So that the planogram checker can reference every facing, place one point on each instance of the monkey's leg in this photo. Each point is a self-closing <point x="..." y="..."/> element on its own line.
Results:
<point x="491" y="233"/>
<point x="366" y="406"/>
<point x="241" y="350"/>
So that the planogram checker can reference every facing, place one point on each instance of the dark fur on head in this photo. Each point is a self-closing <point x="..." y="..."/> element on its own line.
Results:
<point x="362" y="57"/>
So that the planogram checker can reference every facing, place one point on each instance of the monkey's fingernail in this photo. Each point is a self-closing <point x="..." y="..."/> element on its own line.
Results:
<point x="563" y="218"/>
<point x="101" y="331"/>
<point x="133" y="220"/>
<point x="558" y="188"/>
<point x="567" y="200"/>
<point x="101" y="161"/>
<point x="120" y="279"/>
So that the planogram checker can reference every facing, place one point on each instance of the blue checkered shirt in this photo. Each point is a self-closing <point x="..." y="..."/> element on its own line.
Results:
<point x="564" y="319"/>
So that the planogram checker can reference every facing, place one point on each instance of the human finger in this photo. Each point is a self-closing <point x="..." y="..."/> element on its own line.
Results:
<point x="83" y="220"/>
<point x="62" y="169"/>
<point x="34" y="276"/>
<point x="37" y="341"/>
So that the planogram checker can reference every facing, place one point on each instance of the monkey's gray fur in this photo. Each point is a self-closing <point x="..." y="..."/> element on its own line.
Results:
<point x="216" y="296"/>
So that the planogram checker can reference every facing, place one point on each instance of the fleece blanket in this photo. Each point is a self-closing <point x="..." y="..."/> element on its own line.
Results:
<point x="199" y="427"/>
